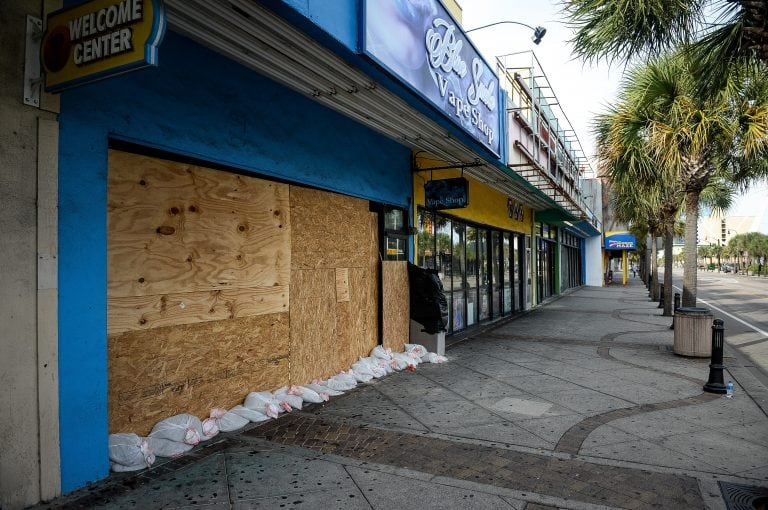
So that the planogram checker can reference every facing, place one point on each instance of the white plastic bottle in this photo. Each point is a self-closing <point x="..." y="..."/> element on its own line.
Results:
<point x="729" y="389"/>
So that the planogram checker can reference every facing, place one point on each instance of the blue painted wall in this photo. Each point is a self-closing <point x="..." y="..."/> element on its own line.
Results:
<point x="195" y="104"/>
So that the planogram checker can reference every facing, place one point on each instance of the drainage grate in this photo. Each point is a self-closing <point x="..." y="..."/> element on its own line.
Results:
<point x="743" y="497"/>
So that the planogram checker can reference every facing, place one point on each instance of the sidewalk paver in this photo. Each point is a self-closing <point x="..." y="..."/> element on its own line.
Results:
<point x="580" y="404"/>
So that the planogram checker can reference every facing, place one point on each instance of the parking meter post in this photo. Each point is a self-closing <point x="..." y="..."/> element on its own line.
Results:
<point x="715" y="383"/>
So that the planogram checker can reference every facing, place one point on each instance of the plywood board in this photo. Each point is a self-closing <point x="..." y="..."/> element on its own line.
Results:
<point x="314" y="344"/>
<point x="342" y="284"/>
<point x="356" y="323"/>
<point x="328" y="230"/>
<point x="175" y="227"/>
<point x="333" y="282"/>
<point x="160" y="372"/>
<point x="145" y="312"/>
<point x="396" y="304"/>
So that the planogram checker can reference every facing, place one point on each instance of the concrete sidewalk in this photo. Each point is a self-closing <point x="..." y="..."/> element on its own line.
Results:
<point x="579" y="404"/>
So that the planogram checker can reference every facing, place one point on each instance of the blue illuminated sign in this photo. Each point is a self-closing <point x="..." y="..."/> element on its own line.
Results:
<point x="620" y="241"/>
<point x="421" y="43"/>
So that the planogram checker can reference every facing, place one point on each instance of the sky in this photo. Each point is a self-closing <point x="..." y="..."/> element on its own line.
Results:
<point x="582" y="89"/>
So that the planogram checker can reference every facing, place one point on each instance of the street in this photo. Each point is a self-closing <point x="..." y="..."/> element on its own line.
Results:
<point x="742" y="302"/>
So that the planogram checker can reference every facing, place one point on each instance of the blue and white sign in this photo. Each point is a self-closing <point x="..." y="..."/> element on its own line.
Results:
<point x="620" y="241"/>
<point x="421" y="43"/>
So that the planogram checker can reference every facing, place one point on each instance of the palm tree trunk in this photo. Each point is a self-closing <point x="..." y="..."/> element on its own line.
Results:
<point x="668" y="273"/>
<point x="691" y="224"/>
<point x="654" y="269"/>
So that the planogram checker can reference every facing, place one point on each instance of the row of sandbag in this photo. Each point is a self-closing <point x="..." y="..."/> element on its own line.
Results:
<point x="178" y="434"/>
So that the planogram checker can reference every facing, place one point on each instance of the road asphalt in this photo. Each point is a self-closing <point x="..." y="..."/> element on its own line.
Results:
<point x="579" y="404"/>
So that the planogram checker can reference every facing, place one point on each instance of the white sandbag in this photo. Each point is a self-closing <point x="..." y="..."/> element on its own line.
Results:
<point x="372" y="366"/>
<point x="348" y="376"/>
<point x="339" y="383"/>
<point x="417" y="349"/>
<point x="226" y="421"/>
<point x="289" y="397"/>
<point x="130" y="450"/>
<point x="249" y="414"/>
<point x="433" y="357"/>
<point x="321" y="387"/>
<point x="210" y="429"/>
<point x="262" y="401"/>
<point x="415" y="360"/>
<point x="401" y="360"/>
<point x="119" y="468"/>
<point x="182" y="428"/>
<point x="314" y="397"/>
<point x="362" y="371"/>
<point x="167" y="448"/>
<point x="382" y="353"/>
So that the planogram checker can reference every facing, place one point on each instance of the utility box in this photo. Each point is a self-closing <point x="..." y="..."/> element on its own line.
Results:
<point x="693" y="332"/>
<point x="432" y="342"/>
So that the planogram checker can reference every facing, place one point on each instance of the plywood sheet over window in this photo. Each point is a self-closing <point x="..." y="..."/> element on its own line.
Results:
<point x="188" y="244"/>
<point x="333" y="282"/>
<point x="396" y="308"/>
<point x="198" y="288"/>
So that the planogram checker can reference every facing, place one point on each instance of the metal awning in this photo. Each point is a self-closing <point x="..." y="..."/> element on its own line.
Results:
<point x="246" y="32"/>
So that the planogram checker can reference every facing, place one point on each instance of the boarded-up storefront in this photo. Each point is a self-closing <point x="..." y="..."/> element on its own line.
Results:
<point x="221" y="283"/>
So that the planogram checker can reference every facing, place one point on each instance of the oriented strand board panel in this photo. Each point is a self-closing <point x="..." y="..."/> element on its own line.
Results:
<point x="191" y="368"/>
<point x="396" y="304"/>
<point x="333" y="282"/>
<point x="215" y="243"/>
<point x="329" y="230"/>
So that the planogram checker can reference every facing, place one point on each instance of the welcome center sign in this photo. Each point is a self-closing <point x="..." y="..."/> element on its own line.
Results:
<point x="98" y="39"/>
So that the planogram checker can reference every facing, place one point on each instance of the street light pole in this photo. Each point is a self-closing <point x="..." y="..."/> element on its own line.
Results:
<point x="538" y="32"/>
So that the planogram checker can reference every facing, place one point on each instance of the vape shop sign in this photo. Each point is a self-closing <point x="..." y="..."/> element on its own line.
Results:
<point x="421" y="43"/>
<point x="99" y="39"/>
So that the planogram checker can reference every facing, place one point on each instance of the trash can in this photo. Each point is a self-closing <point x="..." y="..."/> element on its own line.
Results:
<point x="693" y="332"/>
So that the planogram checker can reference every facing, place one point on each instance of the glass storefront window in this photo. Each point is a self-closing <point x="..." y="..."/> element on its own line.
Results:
<point x="458" y="270"/>
<point x="394" y="219"/>
<point x="516" y="271"/>
<point x="443" y="242"/>
<point x="483" y="276"/>
<point x="425" y="256"/>
<point x="507" y="274"/>
<point x="471" y="276"/>
<point x="396" y="247"/>
<point x="496" y="275"/>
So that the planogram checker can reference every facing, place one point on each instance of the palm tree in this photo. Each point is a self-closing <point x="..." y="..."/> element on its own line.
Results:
<point x="625" y="29"/>
<point x="665" y="131"/>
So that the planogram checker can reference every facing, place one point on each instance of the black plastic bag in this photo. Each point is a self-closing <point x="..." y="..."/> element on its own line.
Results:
<point x="428" y="304"/>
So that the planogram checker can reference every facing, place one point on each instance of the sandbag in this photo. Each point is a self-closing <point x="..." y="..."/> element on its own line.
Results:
<point x="182" y="428"/>
<point x="262" y="401"/>
<point x="401" y="360"/>
<point x="119" y="468"/>
<point x="432" y="357"/>
<point x="321" y="387"/>
<point x="314" y="397"/>
<point x="249" y="414"/>
<point x="416" y="349"/>
<point x="167" y="448"/>
<point x="373" y="366"/>
<point x="210" y="429"/>
<point x="382" y="353"/>
<point x="130" y="450"/>
<point x="289" y="397"/>
<point x="226" y="421"/>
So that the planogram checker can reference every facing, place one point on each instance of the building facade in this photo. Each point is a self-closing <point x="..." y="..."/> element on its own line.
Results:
<point x="238" y="216"/>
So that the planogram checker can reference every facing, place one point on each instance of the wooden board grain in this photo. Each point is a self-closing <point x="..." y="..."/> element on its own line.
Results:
<point x="396" y="304"/>
<point x="164" y="371"/>
<point x="328" y="230"/>
<point x="333" y="282"/>
<point x="174" y="227"/>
